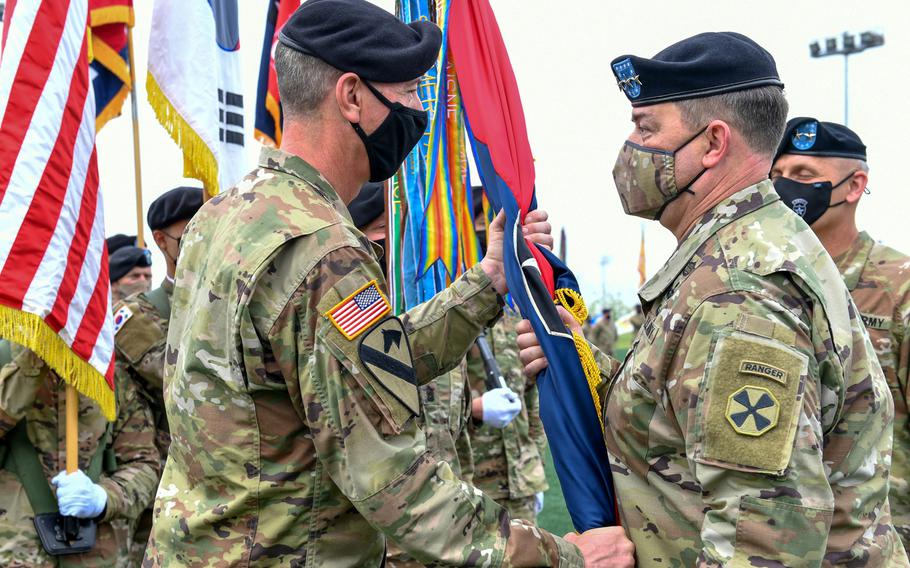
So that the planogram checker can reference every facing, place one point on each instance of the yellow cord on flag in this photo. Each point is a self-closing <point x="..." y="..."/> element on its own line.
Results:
<point x="592" y="372"/>
<point x="198" y="159"/>
<point x="572" y="301"/>
<point x="30" y="331"/>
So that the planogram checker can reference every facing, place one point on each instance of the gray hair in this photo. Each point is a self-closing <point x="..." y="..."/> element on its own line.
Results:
<point x="303" y="80"/>
<point x="759" y="115"/>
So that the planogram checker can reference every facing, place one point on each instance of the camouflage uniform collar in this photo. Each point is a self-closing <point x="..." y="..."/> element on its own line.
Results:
<point x="850" y="263"/>
<point x="168" y="285"/>
<point x="276" y="159"/>
<point x="734" y="207"/>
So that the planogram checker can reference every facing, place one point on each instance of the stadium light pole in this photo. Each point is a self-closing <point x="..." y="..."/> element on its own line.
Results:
<point x="847" y="47"/>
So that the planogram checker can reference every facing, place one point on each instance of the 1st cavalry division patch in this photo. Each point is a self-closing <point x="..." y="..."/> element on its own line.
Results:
<point x="356" y="313"/>
<point x="386" y="354"/>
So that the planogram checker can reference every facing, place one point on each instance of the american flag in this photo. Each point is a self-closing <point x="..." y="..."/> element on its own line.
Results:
<point x="54" y="288"/>
<point x="359" y="311"/>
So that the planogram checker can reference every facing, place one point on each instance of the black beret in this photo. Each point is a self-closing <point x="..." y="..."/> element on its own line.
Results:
<point x="178" y="204"/>
<point x="119" y="241"/>
<point x="368" y="205"/>
<point x="700" y="66"/>
<point x="359" y="37"/>
<point x="810" y="137"/>
<point x="125" y="258"/>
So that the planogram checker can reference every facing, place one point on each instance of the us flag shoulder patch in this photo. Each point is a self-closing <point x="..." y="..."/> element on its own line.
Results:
<point x="359" y="311"/>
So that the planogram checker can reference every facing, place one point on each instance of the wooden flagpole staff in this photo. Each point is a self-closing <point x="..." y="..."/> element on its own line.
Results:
<point x="134" y="106"/>
<point x="72" y="429"/>
<point x="72" y="395"/>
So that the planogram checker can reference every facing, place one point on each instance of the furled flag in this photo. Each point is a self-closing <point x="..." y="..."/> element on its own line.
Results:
<point x="54" y="288"/>
<point x="569" y="403"/>
<point x="417" y="286"/>
<point x="110" y="71"/>
<point x="195" y="87"/>
<point x="447" y="233"/>
<point x="268" y="102"/>
<point x="642" y="275"/>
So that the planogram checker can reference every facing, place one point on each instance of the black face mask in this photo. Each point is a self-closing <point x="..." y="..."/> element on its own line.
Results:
<point x="808" y="200"/>
<point x="393" y="140"/>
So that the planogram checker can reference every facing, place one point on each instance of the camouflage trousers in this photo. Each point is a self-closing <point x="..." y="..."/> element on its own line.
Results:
<point x="522" y="508"/>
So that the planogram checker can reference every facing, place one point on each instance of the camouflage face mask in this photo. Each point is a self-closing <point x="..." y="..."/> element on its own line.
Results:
<point x="646" y="178"/>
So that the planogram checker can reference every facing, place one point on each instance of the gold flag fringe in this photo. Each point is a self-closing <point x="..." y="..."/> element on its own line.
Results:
<point x="30" y="331"/>
<point x="572" y="301"/>
<point x="198" y="160"/>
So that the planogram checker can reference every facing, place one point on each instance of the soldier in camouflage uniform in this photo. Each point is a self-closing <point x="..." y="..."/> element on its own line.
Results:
<point x="508" y="461"/>
<point x="878" y="277"/>
<point x="290" y="393"/>
<point x="445" y="402"/>
<point x="749" y="424"/>
<point x="130" y="271"/>
<point x="141" y="329"/>
<point x="604" y="333"/>
<point x="30" y="391"/>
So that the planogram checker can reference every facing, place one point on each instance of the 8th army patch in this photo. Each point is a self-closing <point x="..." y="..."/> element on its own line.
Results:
<point x="750" y="403"/>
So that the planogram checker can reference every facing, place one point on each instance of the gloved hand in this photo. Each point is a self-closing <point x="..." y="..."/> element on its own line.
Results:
<point x="78" y="496"/>
<point x="538" y="502"/>
<point x="500" y="406"/>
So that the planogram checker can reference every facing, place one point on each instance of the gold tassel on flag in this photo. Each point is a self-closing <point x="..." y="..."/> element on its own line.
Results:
<point x="198" y="160"/>
<point x="30" y="331"/>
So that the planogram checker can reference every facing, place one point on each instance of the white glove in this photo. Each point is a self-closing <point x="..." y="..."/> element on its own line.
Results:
<point x="78" y="496"/>
<point x="538" y="502"/>
<point x="500" y="406"/>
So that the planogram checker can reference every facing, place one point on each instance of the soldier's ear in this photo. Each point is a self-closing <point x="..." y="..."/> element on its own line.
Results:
<point x="349" y="97"/>
<point x="857" y="184"/>
<point x="160" y="240"/>
<point x="719" y="135"/>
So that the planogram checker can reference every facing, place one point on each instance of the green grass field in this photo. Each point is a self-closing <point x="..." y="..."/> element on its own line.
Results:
<point x="555" y="516"/>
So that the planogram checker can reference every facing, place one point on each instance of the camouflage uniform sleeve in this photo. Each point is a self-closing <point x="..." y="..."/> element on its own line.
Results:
<point x="141" y="342"/>
<point x="535" y="426"/>
<point x="369" y="441"/>
<point x="608" y="367"/>
<point x="443" y="329"/>
<point x="463" y="441"/>
<point x="903" y="350"/>
<point x="746" y="395"/>
<point x="132" y="486"/>
<point x="19" y="384"/>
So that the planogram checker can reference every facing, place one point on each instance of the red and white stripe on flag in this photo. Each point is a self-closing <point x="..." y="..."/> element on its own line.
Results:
<point x="54" y="287"/>
<point x="360" y="310"/>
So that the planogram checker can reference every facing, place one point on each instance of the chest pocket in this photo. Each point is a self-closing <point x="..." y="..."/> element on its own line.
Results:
<point x="750" y="398"/>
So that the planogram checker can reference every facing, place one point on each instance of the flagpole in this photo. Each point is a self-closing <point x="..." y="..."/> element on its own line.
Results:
<point x="137" y="165"/>
<point x="72" y="429"/>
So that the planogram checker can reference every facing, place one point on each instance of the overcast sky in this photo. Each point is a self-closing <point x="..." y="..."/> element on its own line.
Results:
<point x="577" y="118"/>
